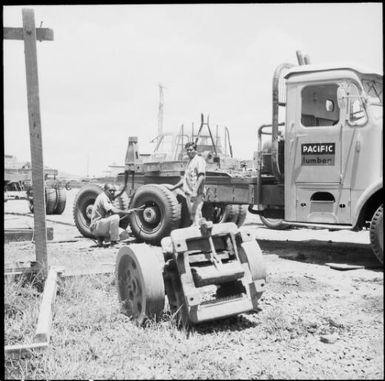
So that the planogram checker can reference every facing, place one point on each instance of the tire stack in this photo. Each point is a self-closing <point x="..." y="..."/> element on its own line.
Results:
<point x="55" y="199"/>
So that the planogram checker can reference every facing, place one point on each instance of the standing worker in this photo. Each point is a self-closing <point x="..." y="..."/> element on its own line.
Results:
<point x="105" y="217"/>
<point x="193" y="182"/>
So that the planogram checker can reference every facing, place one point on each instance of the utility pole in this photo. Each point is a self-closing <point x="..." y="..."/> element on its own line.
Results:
<point x="160" y="110"/>
<point x="29" y="34"/>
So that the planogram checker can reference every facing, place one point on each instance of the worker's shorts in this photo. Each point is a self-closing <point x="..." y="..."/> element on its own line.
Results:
<point x="107" y="228"/>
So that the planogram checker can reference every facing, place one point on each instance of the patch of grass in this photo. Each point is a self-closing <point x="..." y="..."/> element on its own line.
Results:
<point x="21" y="310"/>
<point x="92" y="339"/>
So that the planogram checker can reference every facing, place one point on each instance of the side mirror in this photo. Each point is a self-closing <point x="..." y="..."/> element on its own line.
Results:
<point x="364" y="99"/>
<point x="342" y="98"/>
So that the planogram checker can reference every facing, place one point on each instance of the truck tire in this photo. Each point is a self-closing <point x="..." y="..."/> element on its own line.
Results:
<point x="274" y="223"/>
<point x="231" y="213"/>
<point x="61" y="200"/>
<point x="214" y="212"/>
<point x="50" y="200"/>
<point x="161" y="215"/>
<point x="225" y="213"/>
<point x="123" y="202"/>
<point x="242" y="214"/>
<point x="377" y="234"/>
<point x="82" y="208"/>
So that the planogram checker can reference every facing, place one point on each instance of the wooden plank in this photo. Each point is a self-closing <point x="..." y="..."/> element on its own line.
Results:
<point x="42" y="34"/>
<point x="45" y="316"/>
<point x="17" y="235"/>
<point x="29" y="33"/>
<point x="17" y="350"/>
<point x="19" y="270"/>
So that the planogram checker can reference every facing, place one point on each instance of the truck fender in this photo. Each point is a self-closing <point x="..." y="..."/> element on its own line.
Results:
<point x="365" y="196"/>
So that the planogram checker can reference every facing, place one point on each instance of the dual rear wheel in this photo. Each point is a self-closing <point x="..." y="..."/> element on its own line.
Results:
<point x="159" y="212"/>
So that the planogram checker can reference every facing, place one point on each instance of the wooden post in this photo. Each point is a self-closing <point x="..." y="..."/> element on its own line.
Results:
<point x="28" y="33"/>
<point x="35" y="134"/>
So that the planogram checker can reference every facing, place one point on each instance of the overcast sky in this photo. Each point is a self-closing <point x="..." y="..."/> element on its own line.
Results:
<point x="99" y="78"/>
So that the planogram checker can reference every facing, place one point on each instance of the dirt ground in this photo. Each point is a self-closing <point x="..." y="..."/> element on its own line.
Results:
<point x="339" y="311"/>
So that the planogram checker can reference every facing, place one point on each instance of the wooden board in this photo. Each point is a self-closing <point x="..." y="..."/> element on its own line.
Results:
<point x="16" y="235"/>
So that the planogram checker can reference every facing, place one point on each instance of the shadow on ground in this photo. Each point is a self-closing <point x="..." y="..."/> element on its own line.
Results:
<point x="323" y="252"/>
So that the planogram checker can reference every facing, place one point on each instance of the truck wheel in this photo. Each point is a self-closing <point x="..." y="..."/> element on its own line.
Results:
<point x="242" y="214"/>
<point x="161" y="213"/>
<point x="82" y="208"/>
<point x="231" y="213"/>
<point x="139" y="280"/>
<point x="30" y="205"/>
<point x="377" y="234"/>
<point x="219" y="213"/>
<point x="122" y="202"/>
<point x="50" y="200"/>
<point x="213" y="212"/>
<point x="61" y="200"/>
<point x="274" y="223"/>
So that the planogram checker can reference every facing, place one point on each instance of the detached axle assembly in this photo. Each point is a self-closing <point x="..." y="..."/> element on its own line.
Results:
<point x="209" y="272"/>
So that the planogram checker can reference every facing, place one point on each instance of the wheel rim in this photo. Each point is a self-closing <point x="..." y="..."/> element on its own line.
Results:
<point x="131" y="288"/>
<point x="150" y="220"/>
<point x="151" y="215"/>
<point x="88" y="212"/>
<point x="85" y="212"/>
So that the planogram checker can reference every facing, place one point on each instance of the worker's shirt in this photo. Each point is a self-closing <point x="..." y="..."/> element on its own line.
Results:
<point x="101" y="208"/>
<point x="195" y="167"/>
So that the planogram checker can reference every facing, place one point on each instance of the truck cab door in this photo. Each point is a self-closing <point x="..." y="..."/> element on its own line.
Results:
<point x="314" y="155"/>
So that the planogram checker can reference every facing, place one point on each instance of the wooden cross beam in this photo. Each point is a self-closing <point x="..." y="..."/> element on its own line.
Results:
<point x="42" y="34"/>
<point x="29" y="34"/>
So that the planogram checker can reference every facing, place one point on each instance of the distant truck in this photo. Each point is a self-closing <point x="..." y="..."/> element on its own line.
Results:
<point x="14" y="190"/>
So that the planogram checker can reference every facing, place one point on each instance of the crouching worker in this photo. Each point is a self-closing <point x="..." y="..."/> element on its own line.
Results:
<point x="105" y="217"/>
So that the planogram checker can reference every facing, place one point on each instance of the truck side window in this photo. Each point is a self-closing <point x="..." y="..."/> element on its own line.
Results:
<point x="319" y="105"/>
<point x="357" y="113"/>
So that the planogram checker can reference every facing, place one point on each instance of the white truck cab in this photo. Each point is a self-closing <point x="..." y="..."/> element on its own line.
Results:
<point x="333" y="146"/>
